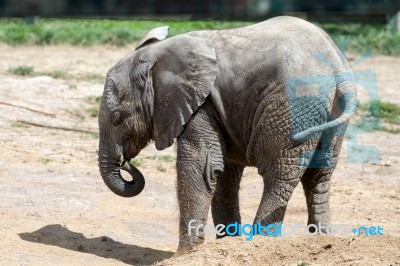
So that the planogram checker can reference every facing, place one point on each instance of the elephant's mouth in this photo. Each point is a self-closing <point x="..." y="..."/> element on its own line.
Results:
<point x="123" y="160"/>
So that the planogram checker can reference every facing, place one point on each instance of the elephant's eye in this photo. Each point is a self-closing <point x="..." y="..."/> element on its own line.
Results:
<point x="116" y="118"/>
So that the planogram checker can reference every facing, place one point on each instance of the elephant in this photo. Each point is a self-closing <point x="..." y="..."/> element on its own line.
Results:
<point x="276" y="95"/>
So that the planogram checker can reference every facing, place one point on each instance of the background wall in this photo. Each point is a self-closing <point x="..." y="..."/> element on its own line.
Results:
<point x="203" y="9"/>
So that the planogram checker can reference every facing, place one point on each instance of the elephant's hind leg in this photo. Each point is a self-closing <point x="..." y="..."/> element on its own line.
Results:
<point x="225" y="202"/>
<point x="317" y="177"/>
<point x="280" y="179"/>
<point x="316" y="185"/>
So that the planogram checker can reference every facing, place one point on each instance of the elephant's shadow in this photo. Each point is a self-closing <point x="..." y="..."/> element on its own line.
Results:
<point x="57" y="235"/>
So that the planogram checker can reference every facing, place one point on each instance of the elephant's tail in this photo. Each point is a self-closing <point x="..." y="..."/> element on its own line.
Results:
<point x="347" y="98"/>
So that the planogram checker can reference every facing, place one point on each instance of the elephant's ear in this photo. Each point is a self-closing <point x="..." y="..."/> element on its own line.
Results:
<point x="155" y="35"/>
<point x="183" y="75"/>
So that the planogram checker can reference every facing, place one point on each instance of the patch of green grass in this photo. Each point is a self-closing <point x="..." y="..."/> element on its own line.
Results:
<point x="361" y="37"/>
<point x="388" y="112"/>
<point x="375" y="112"/>
<point x="72" y="86"/>
<point x="45" y="160"/>
<point x="92" y="77"/>
<point x="152" y="157"/>
<point x="93" y="31"/>
<point x="391" y="130"/>
<point x="94" y="135"/>
<point x="94" y="109"/>
<point x="18" y="124"/>
<point x="57" y="74"/>
<point x="161" y="169"/>
<point x="21" y="70"/>
<point x="94" y="99"/>
<point x="167" y="158"/>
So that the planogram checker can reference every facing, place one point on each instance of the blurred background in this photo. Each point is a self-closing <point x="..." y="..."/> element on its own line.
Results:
<point x="365" y="24"/>
<point x="348" y="10"/>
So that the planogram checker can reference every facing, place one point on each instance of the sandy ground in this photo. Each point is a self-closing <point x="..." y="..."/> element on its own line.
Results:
<point x="55" y="208"/>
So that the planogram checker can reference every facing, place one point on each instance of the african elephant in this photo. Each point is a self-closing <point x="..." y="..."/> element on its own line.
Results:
<point x="276" y="95"/>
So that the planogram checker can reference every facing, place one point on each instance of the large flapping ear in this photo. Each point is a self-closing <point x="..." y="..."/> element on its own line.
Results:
<point x="155" y="35"/>
<point x="183" y="75"/>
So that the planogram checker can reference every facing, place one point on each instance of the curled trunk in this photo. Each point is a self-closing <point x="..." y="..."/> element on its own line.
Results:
<point x="111" y="174"/>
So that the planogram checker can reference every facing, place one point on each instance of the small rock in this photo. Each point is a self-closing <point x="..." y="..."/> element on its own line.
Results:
<point x="350" y="240"/>
<point x="327" y="246"/>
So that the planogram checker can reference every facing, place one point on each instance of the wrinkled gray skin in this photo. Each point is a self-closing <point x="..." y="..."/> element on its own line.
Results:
<point x="223" y="95"/>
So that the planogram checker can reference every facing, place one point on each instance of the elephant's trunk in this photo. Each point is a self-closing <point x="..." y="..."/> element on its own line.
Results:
<point x="111" y="173"/>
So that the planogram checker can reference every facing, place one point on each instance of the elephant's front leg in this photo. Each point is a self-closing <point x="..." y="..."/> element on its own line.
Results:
<point x="200" y="161"/>
<point x="194" y="202"/>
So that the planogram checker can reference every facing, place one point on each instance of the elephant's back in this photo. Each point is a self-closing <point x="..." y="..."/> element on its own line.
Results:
<point x="283" y="47"/>
<point x="296" y="42"/>
<point x="257" y="62"/>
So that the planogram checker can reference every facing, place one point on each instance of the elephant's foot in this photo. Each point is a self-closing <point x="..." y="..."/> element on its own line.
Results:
<point x="188" y="243"/>
<point x="181" y="251"/>
<point x="316" y="185"/>
<point x="320" y="222"/>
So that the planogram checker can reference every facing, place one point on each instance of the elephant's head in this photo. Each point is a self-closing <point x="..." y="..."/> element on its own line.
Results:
<point x="150" y="95"/>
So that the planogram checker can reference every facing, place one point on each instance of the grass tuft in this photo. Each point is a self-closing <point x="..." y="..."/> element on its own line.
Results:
<point x="21" y="70"/>
<point x="161" y="169"/>
<point x="94" y="109"/>
<point x="388" y="112"/>
<point x="92" y="77"/>
<point x="45" y="160"/>
<point x="18" y="124"/>
<point x="57" y="74"/>
<point x="374" y="112"/>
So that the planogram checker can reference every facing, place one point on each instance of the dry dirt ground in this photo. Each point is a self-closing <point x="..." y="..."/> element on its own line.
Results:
<point x="55" y="209"/>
